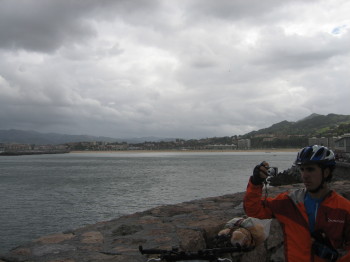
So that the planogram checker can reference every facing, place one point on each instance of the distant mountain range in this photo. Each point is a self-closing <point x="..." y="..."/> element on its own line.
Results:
<point x="313" y="125"/>
<point x="37" y="138"/>
<point x="33" y="137"/>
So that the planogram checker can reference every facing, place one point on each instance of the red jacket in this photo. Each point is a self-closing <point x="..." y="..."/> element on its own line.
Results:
<point x="333" y="217"/>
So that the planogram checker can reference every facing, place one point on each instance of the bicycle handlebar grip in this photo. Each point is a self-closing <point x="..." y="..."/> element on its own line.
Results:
<point x="151" y="251"/>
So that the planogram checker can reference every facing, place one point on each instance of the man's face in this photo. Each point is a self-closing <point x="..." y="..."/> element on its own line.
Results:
<point x="311" y="175"/>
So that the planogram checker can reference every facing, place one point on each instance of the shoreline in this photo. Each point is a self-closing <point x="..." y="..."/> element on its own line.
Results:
<point x="290" y="150"/>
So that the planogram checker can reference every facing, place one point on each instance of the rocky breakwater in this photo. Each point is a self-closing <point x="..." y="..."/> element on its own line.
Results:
<point x="190" y="226"/>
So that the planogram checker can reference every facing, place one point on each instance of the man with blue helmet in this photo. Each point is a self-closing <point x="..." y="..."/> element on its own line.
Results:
<point x="315" y="219"/>
<point x="316" y="159"/>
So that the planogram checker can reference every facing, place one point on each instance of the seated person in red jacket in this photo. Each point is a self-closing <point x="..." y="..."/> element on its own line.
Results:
<point x="315" y="220"/>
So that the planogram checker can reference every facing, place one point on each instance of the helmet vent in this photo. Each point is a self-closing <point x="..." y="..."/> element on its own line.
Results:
<point x="319" y="154"/>
<point x="307" y="153"/>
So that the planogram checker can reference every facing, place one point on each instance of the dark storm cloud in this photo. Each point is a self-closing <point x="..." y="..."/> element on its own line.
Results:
<point x="41" y="25"/>
<point x="44" y="26"/>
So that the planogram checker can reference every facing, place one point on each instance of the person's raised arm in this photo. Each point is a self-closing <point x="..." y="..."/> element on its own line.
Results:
<point x="254" y="206"/>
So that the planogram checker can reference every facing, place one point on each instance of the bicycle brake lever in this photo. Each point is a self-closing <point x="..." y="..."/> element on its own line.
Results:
<point x="154" y="259"/>
<point x="224" y="260"/>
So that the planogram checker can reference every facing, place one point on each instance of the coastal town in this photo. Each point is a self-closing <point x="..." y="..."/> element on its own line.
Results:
<point x="341" y="145"/>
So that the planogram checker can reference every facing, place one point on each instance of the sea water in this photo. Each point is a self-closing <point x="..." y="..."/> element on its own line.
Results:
<point x="44" y="194"/>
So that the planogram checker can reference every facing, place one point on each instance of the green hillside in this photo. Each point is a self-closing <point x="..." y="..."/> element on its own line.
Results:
<point x="313" y="125"/>
<point x="296" y="134"/>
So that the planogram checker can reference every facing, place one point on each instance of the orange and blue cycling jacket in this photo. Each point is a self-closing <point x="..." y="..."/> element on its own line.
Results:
<point x="333" y="217"/>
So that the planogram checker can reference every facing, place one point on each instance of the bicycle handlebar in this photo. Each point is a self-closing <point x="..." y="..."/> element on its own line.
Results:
<point x="203" y="254"/>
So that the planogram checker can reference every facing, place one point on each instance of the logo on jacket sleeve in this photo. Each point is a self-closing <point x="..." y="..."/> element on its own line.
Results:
<point x="336" y="221"/>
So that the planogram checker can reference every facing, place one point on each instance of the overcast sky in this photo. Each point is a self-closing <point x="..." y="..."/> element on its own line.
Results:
<point x="174" y="68"/>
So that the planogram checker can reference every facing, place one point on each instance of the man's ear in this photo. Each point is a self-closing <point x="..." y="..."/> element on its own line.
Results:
<point x="326" y="172"/>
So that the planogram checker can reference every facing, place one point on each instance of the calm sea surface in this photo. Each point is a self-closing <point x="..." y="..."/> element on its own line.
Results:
<point x="44" y="194"/>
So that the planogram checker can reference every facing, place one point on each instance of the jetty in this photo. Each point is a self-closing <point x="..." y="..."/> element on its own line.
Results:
<point x="33" y="152"/>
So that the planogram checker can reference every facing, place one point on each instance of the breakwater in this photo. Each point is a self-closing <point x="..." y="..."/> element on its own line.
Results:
<point x="33" y="152"/>
<point x="190" y="225"/>
<point x="342" y="171"/>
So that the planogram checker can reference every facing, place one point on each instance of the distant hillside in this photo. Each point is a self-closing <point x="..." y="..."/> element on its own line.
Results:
<point x="313" y="125"/>
<point x="37" y="138"/>
<point x="33" y="137"/>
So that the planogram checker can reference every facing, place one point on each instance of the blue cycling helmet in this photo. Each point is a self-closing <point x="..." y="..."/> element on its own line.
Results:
<point x="316" y="155"/>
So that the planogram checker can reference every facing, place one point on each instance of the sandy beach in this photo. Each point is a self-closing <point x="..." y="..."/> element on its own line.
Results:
<point x="188" y="151"/>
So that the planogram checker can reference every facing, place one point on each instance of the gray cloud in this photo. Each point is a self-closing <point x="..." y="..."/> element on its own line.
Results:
<point x="170" y="68"/>
<point x="41" y="26"/>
